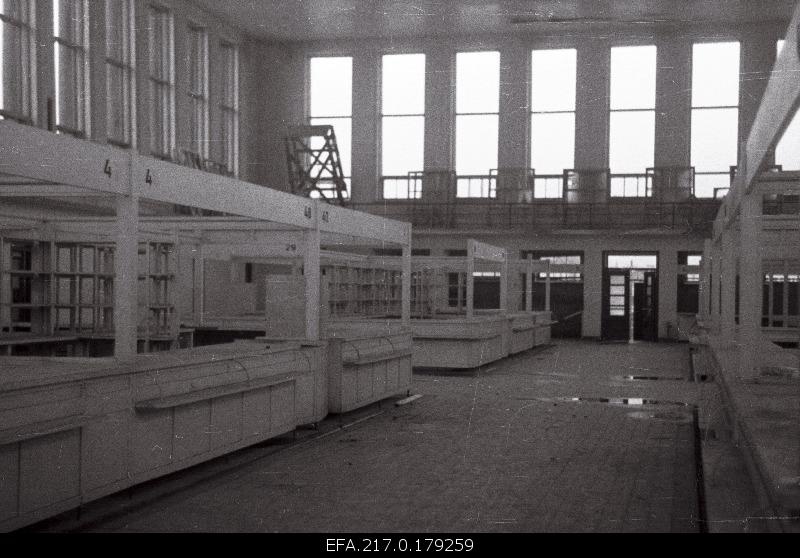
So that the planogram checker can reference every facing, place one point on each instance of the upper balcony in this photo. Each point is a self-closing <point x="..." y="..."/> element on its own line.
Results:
<point x="662" y="199"/>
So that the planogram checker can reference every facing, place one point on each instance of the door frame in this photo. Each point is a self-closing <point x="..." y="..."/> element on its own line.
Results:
<point x="605" y="290"/>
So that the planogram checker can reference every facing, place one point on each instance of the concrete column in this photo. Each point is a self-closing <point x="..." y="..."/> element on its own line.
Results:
<point x="591" y="126"/>
<point x="126" y="278"/>
<point x="529" y="286"/>
<point x="750" y="288"/>
<point x="705" y="282"/>
<point x="439" y="110"/>
<point x="366" y="118"/>
<point x="406" y="285"/>
<point x="514" y="107"/>
<point x="504" y="284"/>
<point x="673" y="102"/>
<point x="667" y="291"/>
<point x="715" y="287"/>
<point x="592" y="292"/>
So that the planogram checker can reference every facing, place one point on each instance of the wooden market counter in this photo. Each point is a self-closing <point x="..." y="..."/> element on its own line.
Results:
<point x="75" y="430"/>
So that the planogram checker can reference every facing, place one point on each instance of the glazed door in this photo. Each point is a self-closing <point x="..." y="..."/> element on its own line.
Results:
<point x="616" y="305"/>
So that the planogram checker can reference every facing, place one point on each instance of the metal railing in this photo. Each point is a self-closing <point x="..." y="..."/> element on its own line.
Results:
<point x="622" y="213"/>
<point x="476" y="187"/>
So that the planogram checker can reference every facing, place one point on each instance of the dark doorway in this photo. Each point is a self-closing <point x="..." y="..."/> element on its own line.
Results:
<point x="616" y="307"/>
<point x="487" y="293"/>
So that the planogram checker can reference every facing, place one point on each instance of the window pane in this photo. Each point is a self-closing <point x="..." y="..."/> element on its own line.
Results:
<point x="229" y="103"/>
<point x="15" y="67"/>
<point x="198" y="61"/>
<point x="198" y="90"/>
<point x="476" y="144"/>
<point x="477" y="82"/>
<point x="69" y="20"/>
<point x="404" y="84"/>
<point x="633" y="77"/>
<point x="632" y="141"/>
<point x="230" y="76"/>
<point x="119" y="70"/>
<point x="715" y="135"/>
<point x="118" y="101"/>
<point x="331" y="87"/>
<point x="632" y="262"/>
<point x="553" y="80"/>
<point x="552" y="142"/>
<point x="403" y="145"/>
<point x="715" y="75"/>
<point x="15" y="9"/>
<point x="70" y="90"/>
<point x="162" y="82"/>
<point x="787" y="153"/>
<point x="342" y="127"/>
<point x="116" y="22"/>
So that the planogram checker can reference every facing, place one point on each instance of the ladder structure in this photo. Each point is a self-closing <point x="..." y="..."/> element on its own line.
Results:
<point x="315" y="166"/>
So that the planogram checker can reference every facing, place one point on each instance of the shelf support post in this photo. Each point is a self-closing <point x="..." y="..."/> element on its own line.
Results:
<point x="126" y="278"/>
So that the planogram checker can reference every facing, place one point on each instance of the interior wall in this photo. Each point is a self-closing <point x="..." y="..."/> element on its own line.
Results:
<point x="673" y="128"/>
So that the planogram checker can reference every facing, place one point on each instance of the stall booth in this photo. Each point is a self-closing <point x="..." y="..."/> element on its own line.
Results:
<point x="358" y="308"/>
<point x="750" y="284"/>
<point x="762" y="280"/>
<point x="460" y="315"/>
<point x="533" y="274"/>
<point x="102" y="256"/>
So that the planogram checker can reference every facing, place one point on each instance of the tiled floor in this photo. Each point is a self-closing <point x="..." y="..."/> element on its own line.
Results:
<point x="495" y="450"/>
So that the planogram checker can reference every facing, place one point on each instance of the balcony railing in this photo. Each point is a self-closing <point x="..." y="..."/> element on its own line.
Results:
<point x="476" y="187"/>
<point x="621" y="214"/>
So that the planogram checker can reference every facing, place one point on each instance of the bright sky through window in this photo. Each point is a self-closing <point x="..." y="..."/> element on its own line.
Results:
<point x="633" y="117"/>
<point x="553" y="90"/>
<point x="787" y="152"/>
<point x="403" y="123"/>
<point x="331" y="102"/>
<point x="715" y="115"/>
<point x="477" y="119"/>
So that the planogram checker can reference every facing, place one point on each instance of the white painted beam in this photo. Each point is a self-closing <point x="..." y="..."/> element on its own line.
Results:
<point x="37" y="154"/>
<point x="340" y="220"/>
<point x="170" y="183"/>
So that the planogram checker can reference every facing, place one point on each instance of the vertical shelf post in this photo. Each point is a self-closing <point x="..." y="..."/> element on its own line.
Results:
<point x="504" y="282"/>
<point x="406" y="285"/>
<point x="312" y="274"/>
<point x="470" y="278"/>
<point x="750" y="292"/>
<point x="126" y="272"/>
<point x="529" y="285"/>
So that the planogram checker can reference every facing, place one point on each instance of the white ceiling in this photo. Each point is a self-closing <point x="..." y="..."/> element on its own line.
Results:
<point x="301" y="20"/>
